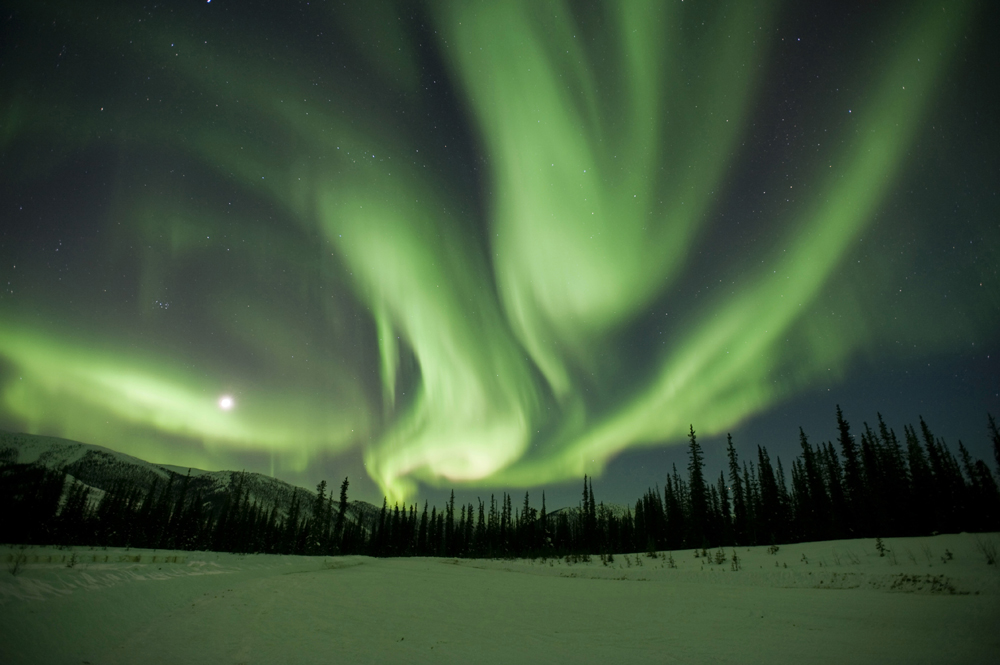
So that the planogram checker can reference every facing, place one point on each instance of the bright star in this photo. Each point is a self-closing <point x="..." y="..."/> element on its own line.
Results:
<point x="226" y="402"/>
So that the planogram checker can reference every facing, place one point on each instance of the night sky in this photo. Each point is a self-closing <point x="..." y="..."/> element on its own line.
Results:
<point x="495" y="246"/>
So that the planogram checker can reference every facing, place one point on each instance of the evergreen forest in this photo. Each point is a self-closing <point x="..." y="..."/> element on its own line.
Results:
<point x="875" y="485"/>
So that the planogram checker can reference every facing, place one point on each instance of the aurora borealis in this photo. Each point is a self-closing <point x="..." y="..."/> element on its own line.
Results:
<point x="466" y="244"/>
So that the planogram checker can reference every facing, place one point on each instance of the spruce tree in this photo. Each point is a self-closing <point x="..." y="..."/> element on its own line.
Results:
<point x="319" y="519"/>
<point x="524" y="536"/>
<point x="433" y="534"/>
<point x="422" y="533"/>
<point x="801" y="504"/>
<point x="481" y="532"/>
<point x="439" y="542"/>
<point x="853" y="481"/>
<point x="939" y="490"/>
<point x="378" y="542"/>
<point x="947" y="486"/>
<point x="468" y="536"/>
<point x="973" y="499"/>
<point x="739" y="500"/>
<point x="895" y="478"/>
<point x="338" y="529"/>
<point x="995" y="438"/>
<point x="592" y="520"/>
<point x="674" y="518"/>
<point x="713" y="520"/>
<point x="989" y="497"/>
<point x="640" y="536"/>
<point x="834" y="481"/>
<point x="727" y="517"/>
<point x="698" y="501"/>
<point x="785" y="505"/>
<point x="543" y="527"/>
<point x="271" y="531"/>
<point x="492" y="528"/>
<point x="921" y="513"/>
<point x="752" y="506"/>
<point x="449" y="527"/>
<point x="505" y="514"/>
<point x="817" y="511"/>
<point x="459" y="548"/>
<point x="769" y="505"/>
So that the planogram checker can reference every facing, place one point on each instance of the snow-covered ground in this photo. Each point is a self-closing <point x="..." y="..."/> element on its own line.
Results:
<point x="928" y="600"/>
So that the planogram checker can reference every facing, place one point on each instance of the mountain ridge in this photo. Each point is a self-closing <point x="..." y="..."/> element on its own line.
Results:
<point x="100" y="468"/>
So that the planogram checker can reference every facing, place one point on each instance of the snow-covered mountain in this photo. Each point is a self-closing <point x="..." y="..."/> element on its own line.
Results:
<point x="100" y="468"/>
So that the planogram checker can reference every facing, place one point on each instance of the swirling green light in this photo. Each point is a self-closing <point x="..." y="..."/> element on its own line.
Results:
<point x="606" y="150"/>
<point x="91" y="390"/>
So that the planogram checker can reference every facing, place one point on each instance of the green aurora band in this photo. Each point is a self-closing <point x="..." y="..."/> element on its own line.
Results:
<point x="604" y="157"/>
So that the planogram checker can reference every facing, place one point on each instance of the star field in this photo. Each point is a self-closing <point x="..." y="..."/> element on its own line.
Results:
<point x="494" y="246"/>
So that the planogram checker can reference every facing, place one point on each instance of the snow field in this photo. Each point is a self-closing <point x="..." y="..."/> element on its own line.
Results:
<point x="826" y="602"/>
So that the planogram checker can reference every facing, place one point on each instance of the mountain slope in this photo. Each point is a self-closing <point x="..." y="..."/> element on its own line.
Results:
<point x="100" y="468"/>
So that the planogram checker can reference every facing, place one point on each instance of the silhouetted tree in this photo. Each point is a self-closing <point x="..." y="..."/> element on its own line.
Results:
<point x="853" y="480"/>
<point x="319" y="522"/>
<point x="839" y="514"/>
<point x="338" y="530"/>
<point x="816" y="501"/>
<point x="726" y="534"/>
<point x="698" y="501"/>
<point x="770" y="508"/>
<point x="995" y="439"/>
<point x="740" y="527"/>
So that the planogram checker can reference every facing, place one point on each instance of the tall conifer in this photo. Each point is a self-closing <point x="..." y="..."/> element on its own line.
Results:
<point x="338" y="529"/>
<point x="698" y="501"/>
<point x="853" y="481"/>
<point x="995" y="439"/>
<point x="739" y="500"/>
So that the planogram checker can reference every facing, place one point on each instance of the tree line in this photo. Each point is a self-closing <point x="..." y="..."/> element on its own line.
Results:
<point x="880" y="486"/>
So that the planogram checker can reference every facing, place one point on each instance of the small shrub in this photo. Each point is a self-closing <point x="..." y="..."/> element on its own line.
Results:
<point x="16" y="562"/>
<point x="773" y="549"/>
<point x="736" y="561"/>
<point x="804" y="559"/>
<point x="670" y="561"/>
<point x="880" y="546"/>
<point x="720" y="557"/>
<point x="988" y="548"/>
